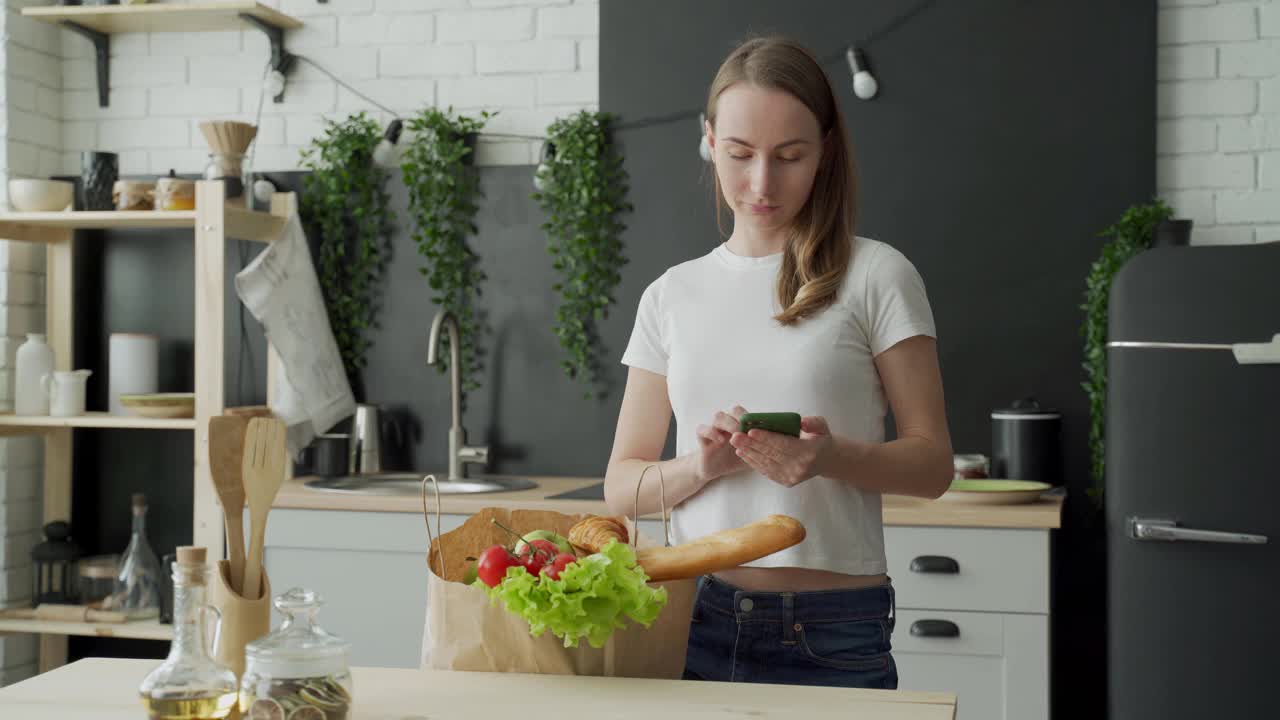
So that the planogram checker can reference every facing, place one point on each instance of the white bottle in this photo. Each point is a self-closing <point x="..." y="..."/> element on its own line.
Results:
<point x="34" y="360"/>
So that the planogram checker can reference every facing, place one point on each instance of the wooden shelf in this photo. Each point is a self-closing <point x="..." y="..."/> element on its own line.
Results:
<point x="34" y="226"/>
<point x="164" y="16"/>
<point x="96" y="420"/>
<point x="139" y="629"/>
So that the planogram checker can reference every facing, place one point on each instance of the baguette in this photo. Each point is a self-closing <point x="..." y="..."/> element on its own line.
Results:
<point x="721" y="550"/>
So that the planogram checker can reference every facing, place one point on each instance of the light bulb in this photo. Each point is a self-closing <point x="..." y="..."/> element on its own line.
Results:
<point x="274" y="83"/>
<point x="386" y="153"/>
<point x="263" y="190"/>
<point x="864" y="84"/>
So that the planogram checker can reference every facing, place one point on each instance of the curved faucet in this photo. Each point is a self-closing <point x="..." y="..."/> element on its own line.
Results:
<point x="459" y="451"/>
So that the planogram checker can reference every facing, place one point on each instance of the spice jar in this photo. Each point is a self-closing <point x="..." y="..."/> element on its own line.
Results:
<point x="98" y="580"/>
<point x="175" y="193"/>
<point x="133" y="194"/>
<point x="298" y="671"/>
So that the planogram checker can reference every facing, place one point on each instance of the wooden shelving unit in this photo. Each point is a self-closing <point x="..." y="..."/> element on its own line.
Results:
<point x="212" y="224"/>
<point x="140" y="629"/>
<point x="13" y="424"/>
<point x="98" y="23"/>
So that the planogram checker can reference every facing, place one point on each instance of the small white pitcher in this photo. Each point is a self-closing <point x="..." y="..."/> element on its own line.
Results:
<point x="66" y="390"/>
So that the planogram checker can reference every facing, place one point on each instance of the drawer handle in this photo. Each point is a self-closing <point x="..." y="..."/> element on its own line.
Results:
<point x="935" y="564"/>
<point x="935" y="629"/>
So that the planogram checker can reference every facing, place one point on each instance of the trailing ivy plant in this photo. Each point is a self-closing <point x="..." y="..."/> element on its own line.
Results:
<point x="583" y="192"/>
<point x="345" y="202"/>
<point x="1128" y="237"/>
<point x="443" y="189"/>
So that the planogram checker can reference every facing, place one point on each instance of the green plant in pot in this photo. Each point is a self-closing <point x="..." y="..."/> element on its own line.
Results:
<point x="583" y="190"/>
<point x="346" y="205"/>
<point x="1128" y="237"/>
<point x="444" y="186"/>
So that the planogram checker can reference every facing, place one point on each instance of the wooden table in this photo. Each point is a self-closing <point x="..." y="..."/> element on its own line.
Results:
<point x="106" y="689"/>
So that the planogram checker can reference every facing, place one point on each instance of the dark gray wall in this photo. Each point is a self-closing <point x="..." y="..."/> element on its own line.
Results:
<point x="1006" y="135"/>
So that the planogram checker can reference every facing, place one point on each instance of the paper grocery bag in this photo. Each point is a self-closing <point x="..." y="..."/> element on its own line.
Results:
<point x="465" y="632"/>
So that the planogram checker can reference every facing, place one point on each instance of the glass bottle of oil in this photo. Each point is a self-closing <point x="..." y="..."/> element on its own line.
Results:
<point x="190" y="685"/>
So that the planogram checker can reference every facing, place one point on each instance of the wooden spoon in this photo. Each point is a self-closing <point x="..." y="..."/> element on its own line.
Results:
<point x="264" y="470"/>
<point x="226" y="455"/>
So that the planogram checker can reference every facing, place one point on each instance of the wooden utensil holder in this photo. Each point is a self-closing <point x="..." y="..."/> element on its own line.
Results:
<point x="243" y="620"/>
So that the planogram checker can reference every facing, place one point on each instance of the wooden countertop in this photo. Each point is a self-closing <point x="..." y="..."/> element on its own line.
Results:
<point x="106" y="689"/>
<point x="898" y="510"/>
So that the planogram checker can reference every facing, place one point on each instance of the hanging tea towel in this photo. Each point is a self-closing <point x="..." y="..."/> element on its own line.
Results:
<point x="281" y="290"/>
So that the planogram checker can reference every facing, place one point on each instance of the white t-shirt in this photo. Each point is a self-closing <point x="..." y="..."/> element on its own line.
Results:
<point x="707" y="325"/>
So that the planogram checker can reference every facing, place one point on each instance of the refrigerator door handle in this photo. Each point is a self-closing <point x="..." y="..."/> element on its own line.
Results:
<point x="1148" y="529"/>
<point x="1263" y="353"/>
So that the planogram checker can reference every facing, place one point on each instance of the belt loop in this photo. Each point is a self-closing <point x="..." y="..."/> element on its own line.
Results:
<point x="788" y="618"/>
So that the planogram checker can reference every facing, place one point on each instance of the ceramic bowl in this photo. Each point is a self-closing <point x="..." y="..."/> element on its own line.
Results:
<point x="31" y="195"/>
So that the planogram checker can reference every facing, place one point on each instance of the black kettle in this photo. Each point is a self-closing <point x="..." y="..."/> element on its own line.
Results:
<point x="1026" y="442"/>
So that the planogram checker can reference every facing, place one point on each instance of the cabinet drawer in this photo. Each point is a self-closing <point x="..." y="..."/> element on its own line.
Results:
<point x="997" y="664"/>
<point x="990" y="570"/>
<point x="976" y="633"/>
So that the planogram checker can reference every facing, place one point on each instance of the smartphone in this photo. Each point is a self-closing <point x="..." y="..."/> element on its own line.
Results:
<point x="787" y="423"/>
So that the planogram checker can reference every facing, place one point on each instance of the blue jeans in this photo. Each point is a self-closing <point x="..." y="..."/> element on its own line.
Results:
<point x="837" y="637"/>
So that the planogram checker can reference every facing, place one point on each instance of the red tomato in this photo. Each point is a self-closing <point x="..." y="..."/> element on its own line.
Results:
<point x="540" y="553"/>
<point x="493" y="564"/>
<point x="558" y="565"/>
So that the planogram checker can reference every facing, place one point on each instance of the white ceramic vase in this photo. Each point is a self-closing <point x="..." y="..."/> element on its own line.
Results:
<point x="34" y="360"/>
<point x="132" y="361"/>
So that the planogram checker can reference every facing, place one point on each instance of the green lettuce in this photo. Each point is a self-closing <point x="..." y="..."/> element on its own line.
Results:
<point x="590" y="600"/>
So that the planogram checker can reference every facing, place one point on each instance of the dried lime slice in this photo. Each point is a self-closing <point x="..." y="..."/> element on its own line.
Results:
<point x="321" y="699"/>
<point x="306" y="712"/>
<point x="266" y="709"/>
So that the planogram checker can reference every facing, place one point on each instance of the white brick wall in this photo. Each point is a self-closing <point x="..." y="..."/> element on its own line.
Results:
<point x="534" y="57"/>
<point x="1218" y="111"/>
<point x="32" y="134"/>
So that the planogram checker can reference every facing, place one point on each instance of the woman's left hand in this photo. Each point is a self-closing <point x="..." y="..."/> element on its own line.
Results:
<point x="783" y="459"/>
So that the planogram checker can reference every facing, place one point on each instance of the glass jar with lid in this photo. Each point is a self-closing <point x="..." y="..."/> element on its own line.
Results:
<point x="298" y="672"/>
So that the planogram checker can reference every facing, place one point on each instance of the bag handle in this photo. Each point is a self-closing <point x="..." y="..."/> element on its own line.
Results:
<point x="662" y="497"/>
<point x="427" y="520"/>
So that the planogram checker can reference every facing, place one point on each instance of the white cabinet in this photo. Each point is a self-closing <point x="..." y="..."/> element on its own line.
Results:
<point x="371" y="570"/>
<point x="978" y="600"/>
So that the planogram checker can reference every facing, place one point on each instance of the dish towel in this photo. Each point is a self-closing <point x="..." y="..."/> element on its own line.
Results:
<point x="279" y="287"/>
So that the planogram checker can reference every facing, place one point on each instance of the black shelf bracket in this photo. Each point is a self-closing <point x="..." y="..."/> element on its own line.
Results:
<point x="281" y="60"/>
<point x="102" y="48"/>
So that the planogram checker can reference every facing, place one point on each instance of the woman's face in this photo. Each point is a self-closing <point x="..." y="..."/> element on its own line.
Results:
<point x="766" y="146"/>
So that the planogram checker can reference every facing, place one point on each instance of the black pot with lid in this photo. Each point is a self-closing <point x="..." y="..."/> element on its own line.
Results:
<point x="1026" y="442"/>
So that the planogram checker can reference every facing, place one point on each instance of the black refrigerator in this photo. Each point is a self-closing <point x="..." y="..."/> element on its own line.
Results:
<point x="1193" y="485"/>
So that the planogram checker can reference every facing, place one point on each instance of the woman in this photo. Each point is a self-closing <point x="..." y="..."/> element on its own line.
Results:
<point x="791" y="313"/>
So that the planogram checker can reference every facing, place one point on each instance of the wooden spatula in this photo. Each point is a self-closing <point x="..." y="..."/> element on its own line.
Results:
<point x="263" y="469"/>
<point x="226" y="455"/>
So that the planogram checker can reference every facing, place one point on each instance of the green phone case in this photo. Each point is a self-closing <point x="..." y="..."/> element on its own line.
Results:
<point x="787" y="423"/>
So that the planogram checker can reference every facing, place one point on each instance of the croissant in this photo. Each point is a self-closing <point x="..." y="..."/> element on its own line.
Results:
<point x="596" y="531"/>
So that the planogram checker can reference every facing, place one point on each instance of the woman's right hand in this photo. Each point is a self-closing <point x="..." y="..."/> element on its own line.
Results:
<point x="715" y="456"/>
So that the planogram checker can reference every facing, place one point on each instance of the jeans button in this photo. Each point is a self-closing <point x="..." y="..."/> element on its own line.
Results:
<point x="746" y="604"/>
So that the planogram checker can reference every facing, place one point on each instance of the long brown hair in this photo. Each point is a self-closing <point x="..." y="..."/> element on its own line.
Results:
<point x="821" y="241"/>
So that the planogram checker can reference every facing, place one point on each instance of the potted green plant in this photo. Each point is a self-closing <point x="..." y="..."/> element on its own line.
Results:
<point x="346" y="205"/>
<point x="1131" y="235"/>
<point x="444" y="186"/>
<point x="583" y="190"/>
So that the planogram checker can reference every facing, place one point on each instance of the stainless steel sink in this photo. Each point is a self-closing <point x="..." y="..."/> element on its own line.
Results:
<point x="404" y="483"/>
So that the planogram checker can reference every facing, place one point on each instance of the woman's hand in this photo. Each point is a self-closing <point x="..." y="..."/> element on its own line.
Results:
<point x="783" y="459"/>
<point x="716" y="457"/>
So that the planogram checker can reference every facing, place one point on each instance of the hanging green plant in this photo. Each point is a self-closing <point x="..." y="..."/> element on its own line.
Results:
<point x="345" y="202"/>
<point x="1129" y="237"/>
<point x="583" y="190"/>
<point x="443" y="189"/>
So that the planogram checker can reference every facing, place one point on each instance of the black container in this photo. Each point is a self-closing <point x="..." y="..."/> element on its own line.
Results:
<point x="98" y="173"/>
<point x="1026" y="443"/>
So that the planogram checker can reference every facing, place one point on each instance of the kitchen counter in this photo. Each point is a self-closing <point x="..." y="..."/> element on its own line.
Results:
<point x="106" y="689"/>
<point x="1046" y="513"/>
